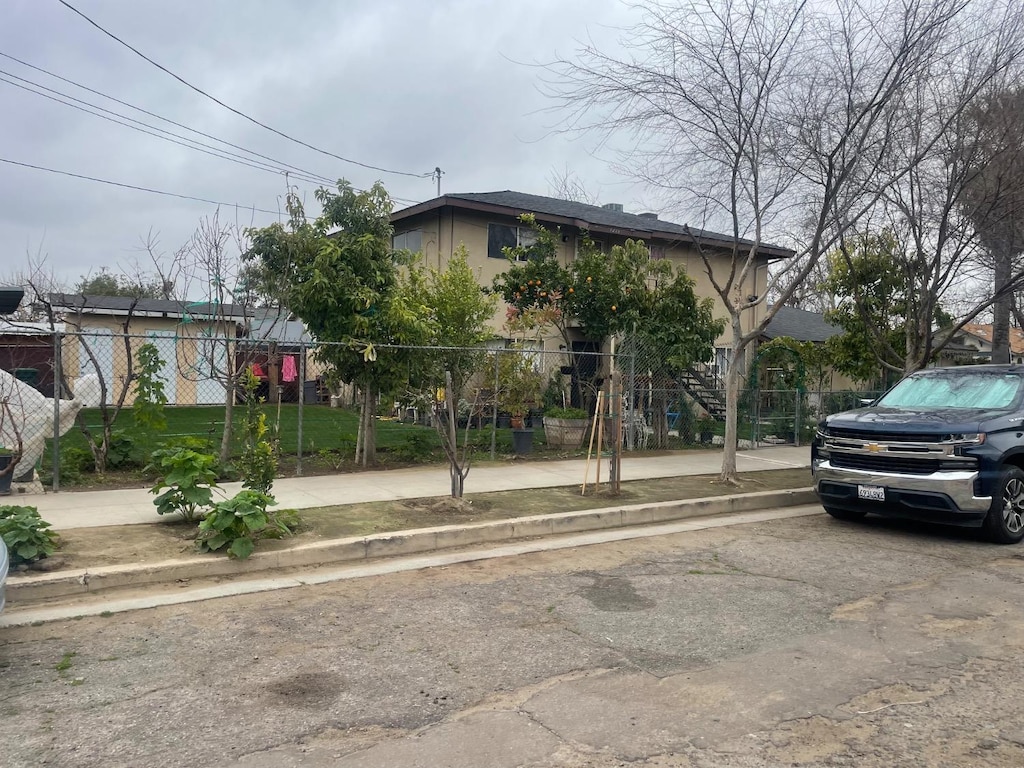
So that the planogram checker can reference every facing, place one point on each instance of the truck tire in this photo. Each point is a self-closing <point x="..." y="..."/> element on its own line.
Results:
<point x="1005" y="521"/>
<point x="845" y="514"/>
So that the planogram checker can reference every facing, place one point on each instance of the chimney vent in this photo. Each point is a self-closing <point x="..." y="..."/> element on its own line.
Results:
<point x="616" y="207"/>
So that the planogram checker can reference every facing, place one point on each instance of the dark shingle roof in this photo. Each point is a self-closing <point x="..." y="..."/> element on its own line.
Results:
<point x="801" y="325"/>
<point x="585" y="216"/>
<point x="122" y="304"/>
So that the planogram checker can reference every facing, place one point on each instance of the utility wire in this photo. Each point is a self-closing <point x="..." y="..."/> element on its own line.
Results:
<point x="214" y="152"/>
<point x="139" y="189"/>
<point x="241" y="114"/>
<point x="298" y="173"/>
<point x="148" y="189"/>
<point x="281" y="163"/>
<point x="209" y="149"/>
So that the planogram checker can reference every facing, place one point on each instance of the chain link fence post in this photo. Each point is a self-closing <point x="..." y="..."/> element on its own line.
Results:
<point x="58" y="390"/>
<point x="494" y="408"/>
<point x="302" y="403"/>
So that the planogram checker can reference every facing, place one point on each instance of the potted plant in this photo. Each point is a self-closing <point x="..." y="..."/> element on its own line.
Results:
<point x="565" y="427"/>
<point x="6" y="471"/>
<point x="519" y="388"/>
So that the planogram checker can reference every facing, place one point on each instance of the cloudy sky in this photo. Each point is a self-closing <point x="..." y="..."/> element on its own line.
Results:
<point x="404" y="85"/>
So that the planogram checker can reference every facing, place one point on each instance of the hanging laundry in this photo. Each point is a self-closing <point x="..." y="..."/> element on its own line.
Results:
<point x="288" y="369"/>
<point x="257" y="371"/>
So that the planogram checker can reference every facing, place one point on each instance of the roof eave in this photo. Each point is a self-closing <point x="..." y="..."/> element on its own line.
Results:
<point x="773" y="253"/>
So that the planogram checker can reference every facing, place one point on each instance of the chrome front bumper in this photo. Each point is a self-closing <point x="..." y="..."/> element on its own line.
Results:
<point x="957" y="485"/>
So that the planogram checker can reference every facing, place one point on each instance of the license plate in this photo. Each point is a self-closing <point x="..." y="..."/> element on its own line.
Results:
<point x="871" y="492"/>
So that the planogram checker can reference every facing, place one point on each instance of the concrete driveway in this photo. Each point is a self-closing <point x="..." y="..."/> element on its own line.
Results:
<point x="799" y="641"/>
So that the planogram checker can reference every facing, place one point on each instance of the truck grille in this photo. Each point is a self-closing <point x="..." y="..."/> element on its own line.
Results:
<point x="881" y="437"/>
<point x="874" y="462"/>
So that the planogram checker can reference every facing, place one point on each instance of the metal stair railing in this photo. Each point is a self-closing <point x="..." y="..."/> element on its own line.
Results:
<point x="703" y="383"/>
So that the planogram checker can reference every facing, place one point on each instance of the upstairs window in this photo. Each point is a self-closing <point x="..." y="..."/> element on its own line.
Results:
<point x="408" y="241"/>
<point x="501" y="236"/>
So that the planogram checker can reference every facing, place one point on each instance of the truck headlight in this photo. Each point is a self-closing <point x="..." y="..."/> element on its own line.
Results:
<point x="964" y="441"/>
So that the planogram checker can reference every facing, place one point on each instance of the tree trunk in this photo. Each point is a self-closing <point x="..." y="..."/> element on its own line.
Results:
<point x="369" y="426"/>
<point x="229" y="421"/>
<point x="1001" y="306"/>
<point x="732" y="400"/>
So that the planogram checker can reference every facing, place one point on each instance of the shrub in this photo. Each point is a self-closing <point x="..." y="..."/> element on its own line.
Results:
<point x="416" y="448"/>
<point x="238" y="521"/>
<point x="189" y="477"/>
<point x="121" y="450"/>
<point x="148" y="413"/>
<point x="258" y="462"/>
<point x="74" y="462"/>
<point x="26" y="534"/>
<point x="565" y="413"/>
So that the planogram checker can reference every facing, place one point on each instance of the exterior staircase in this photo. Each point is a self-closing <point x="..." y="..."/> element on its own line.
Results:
<point x="703" y="383"/>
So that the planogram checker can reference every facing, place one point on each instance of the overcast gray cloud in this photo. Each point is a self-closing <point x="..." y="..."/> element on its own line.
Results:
<point x="400" y="84"/>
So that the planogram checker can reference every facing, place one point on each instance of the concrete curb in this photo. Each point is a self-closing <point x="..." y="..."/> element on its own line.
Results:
<point x="24" y="589"/>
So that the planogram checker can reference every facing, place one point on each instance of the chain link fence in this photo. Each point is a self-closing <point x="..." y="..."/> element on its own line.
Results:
<point x="502" y="395"/>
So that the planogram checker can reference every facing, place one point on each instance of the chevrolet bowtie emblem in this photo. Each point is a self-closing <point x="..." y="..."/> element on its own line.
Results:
<point x="874" y="447"/>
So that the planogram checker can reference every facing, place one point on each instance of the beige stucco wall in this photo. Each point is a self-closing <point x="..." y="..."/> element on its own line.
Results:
<point x="442" y="232"/>
<point x="86" y="329"/>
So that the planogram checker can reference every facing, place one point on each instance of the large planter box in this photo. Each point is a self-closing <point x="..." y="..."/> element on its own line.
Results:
<point x="565" y="433"/>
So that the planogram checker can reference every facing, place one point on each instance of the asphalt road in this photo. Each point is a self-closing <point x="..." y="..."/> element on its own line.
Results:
<point x="799" y="641"/>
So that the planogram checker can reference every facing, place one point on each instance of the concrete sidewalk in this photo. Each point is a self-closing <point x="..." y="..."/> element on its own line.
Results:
<point x="88" y="509"/>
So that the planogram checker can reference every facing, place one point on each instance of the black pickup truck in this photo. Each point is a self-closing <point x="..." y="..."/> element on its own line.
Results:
<point x="944" y="445"/>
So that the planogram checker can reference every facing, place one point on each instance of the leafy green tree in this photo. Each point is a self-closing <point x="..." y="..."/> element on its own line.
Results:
<point x="457" y="311"/>
<point x="877" y="300"/>
<point x="674" y="328"/>
<point x="258" y="462"/>
<point x="108" y="284"/>
<point x="342" y="278"/>
<point x="601" y="294"/>
<point x="148" y="414"/>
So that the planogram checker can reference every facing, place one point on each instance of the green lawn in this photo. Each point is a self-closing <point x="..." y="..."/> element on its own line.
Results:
<point x="322" y="427"/>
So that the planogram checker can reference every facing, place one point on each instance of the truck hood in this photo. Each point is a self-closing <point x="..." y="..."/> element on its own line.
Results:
<point x="881" y="419"/>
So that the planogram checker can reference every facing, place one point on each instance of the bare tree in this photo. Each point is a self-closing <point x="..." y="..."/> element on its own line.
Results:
<point x="994" y="199"/>
<point x="566" y="185"/>
<point x="168" y="271"/>
<point x="229" y="327"/>
<point x="771" y="116"/>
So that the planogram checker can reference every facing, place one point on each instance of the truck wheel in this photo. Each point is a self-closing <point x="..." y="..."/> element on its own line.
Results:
<point x="1005" y="521"/>
<point x="845" y="514"/>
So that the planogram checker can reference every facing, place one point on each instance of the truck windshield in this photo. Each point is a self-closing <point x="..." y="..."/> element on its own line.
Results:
<point x="955" y="389"/>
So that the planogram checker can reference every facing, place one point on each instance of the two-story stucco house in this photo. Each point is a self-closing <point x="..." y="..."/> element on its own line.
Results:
<point x="486" y="222"/>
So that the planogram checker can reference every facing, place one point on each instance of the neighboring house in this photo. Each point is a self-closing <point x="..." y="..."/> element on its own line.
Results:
<point x="973" y="343"/>
<point x="195" y="341"/>
<point x="280" y="350"/>
<point x="26" y="351"/>
<point x="803" y="325"/>
<point x="489" y="221"/>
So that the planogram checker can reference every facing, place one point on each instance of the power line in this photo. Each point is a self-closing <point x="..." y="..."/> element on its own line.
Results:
<point x="241" y="114"/>
<point x="279" y="167"/>
<point x="209" y="149"/>
<point x="280" y="163"/>
<point x="139" y="189"/>
<point x="212" y="151"/>
<point x="150" y="190"/>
